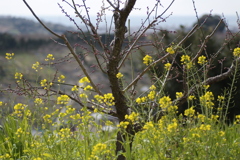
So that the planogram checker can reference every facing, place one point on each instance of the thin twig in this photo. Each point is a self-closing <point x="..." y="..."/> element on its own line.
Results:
<point x="57" y="35"/>
<point x="205" y="41"/>
<point x="133" y="44"/>
<point x="155" y="62"/>
<point x="80" y="64"/>
<point x="116" y="8"/>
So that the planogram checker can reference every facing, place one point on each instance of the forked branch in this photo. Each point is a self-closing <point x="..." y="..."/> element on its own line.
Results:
<point x="63" y="37"/>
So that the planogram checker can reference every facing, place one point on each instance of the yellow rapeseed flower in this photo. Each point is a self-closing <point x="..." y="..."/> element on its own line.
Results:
<point x="206" y="100"/>
<point x="109" y="99"/>
<point x="36" y="66"/>
<point x="236" y="52"/>
<point x="84" y="80"/>
<point x="202" y="60"/>
<point x="189" y="112"/>
<point x="9" y="56"/>
<point x="132" y="117"/>
<point x="99" y="148"/>
<point x="165" y="102"/>
<point x="167" y="66"/>
<point x="179" y="94"/>
<point x="205" y="127"/>
<point x="140" y="100"/>
<point x="185" y="59"/>
<point x="119" y="75"/>
<point x="18" y="76"/>
<point x="123" y="124"/>
<point x="83" y="95"/>
<point x="153" y="87"/>
<point x="49" y="57"/>
<point x="148" y="125"/>
<point x="75" y="88"/>
<point x="151" y="95"/>
<point x="63" y="99"/>
<point x="172" y="127"/>
<point x="44" y="83"/>
<point x="88" y="87"/>
<point x="147" y="60"/>
<point x="38" y="101"/>
<point x="170" y="50"/>
<point x="61" y="79"/>
<point x="191" y="97"/>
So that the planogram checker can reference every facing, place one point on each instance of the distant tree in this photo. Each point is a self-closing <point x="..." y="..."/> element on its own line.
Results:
<point x="208" y="22"/>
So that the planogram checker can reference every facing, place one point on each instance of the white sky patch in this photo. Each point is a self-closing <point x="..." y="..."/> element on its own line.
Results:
<point x="179" y="8"/>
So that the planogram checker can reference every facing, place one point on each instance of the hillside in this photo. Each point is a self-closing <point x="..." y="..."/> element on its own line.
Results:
<point x="22" y="26"/>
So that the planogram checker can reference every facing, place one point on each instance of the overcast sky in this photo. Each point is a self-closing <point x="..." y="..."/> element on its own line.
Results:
<point x="180" y="7"/>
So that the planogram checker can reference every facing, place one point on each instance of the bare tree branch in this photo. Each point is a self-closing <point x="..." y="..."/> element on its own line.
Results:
<point x="40" y="20"/>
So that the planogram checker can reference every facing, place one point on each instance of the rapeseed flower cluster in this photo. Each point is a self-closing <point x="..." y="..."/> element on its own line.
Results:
<point x="220" y="98"/>
<point x="9" y="56"/>
<point x="47" y="118"/>
<point x="87" y="88"/>
<point x="38" y="101"/>
<point x="75" y="116"/>
<point x="132" y="117"/>
<point x="84" y="80"/>
<point x="214" y="117"/>
<point x="151" y="95"/>
<point x="186" y="60"/>
<point x="19" y="132"/>
<point x="167" y="66"/>
<point x="170" y="50"/>
<point x="201" y="117"/>
<point x="140" y="100"/>
<point x="123" y="124"/>
<point x="36" y="66"/>
<point x="148" y="125"/>
<point x="191" y="97"/>
<point x="44" y="83"/>
<point x="74" y="88"/>
<point x="49" y="57"/>
<point x="63" y="99"/>
<point x="19" y="109"/>
<point x="202" y="60"/>
<point x="172" y="126"/>
<point x="100" y="151"/>
<point x="119" y="75"/>
<point x="165" y="102"/>
<point x="205" y="127"/>
<point x="64" y="133"/>
<point x="108" y="99"/>
<point x="147" y="59"/>
<point x="18" y="76"/>
<point x="83" y="96"/>
<point x="179" y="94"/>
<point x="206" y="99"/>
<point x="237" y="119"/>
<point x="236" y="52"/>
<point x="5" y="156"/>
<point x="61" y="79"/>
<point x="189" y="112"/>
<point x="70" y="110"/>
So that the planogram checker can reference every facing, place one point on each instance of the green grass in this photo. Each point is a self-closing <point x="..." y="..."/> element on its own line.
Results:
<point x="191" y="137"/>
